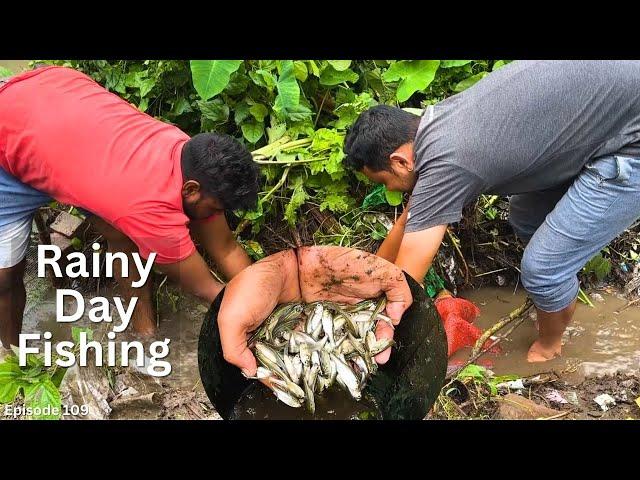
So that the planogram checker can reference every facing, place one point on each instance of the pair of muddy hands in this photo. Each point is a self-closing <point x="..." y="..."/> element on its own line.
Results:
<point x="307" y="274"/>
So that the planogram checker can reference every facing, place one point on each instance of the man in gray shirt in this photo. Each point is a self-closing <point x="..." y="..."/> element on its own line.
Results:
<point x="561" y="138"/>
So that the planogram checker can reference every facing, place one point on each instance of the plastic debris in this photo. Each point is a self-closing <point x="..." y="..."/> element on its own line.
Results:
<point x="605" y="401"/>
<point x="556" y="397"/>
<point x="572" y="397"/>
<point x="512" y="385"/>
<point x="87" y="386"/>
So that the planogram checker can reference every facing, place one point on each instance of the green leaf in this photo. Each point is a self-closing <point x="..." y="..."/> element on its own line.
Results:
<point x="181" y="106"/>
<point x="238" y="83"/>
<point x="264" y="79"/>
<point x="259" y="111"/>
<point x="335" y="197"/>
<point x="313" y="68"/>
<point x="433" y="283"/>
<point x="468" y="82"/>
<point x="298" y="197"/>
<point x="375" y="197"/>
<point x="253" y="249"/>
<point x="288" y="89"/>
<point x="145" y="86"/>
<point x="276" y="132"/>
<point x="393" y="198"/>
<point x="252" y="131"/>
<point x="255" y="214"/>
<point x="340" y="65"/>
<point x="41" y="395"/>
<point x="297" y="113"/>
<point x="76" y="331"/>
<point x="414" y="76"/>
<point x="5" y="72"/>
<point x="330" y="76"/>
<point x="241" y="112"/>
<point x="76" y="243"/>
<point x="8" y="391"/>
<point x="499" y="64"/>
<point x="473" y="371"/>
<point x="210" y="77"/>
<point x="213" y="112"/>
<point x="144" y="104"/>
<point x="300" y="69"/>
<point x="9" y="385"/>
<point x="453" y="63"/>
<point x="599" y="266"/>
<point x="380" y="195"/>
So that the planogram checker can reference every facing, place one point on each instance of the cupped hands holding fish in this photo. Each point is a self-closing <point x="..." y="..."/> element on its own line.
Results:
<point x="308" y="274"/>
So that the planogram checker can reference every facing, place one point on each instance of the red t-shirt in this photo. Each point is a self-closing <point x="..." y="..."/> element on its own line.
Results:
<point x="65" y="135"/>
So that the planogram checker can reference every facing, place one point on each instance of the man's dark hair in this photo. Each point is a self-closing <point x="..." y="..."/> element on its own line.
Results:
<point x="376" y="134"/>
<point x="224" y="168"/>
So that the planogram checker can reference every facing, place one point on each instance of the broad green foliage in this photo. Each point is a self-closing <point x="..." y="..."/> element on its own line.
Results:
<point x="260" y="102"/>
<point x="598" y="266"/>
<point x="433" y="283"/>
<point x="36" y="383"/>
<point x="210" y="77"/>
<point x="481" y="376"/>
<point x="5" y="72"/>
<point x="468" y="82"/>
<point x="414" y="76"/>
<point x="380" y="196"/>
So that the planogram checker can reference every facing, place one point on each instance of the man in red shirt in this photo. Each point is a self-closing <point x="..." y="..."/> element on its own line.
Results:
<point x="145" y="183"/>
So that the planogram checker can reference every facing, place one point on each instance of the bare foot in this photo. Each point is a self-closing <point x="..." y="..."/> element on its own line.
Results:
<point x="541" y="353"/>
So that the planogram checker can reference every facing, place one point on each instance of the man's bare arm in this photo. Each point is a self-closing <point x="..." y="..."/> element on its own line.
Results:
<point x="217" y="239"/>
<point x="418" y="249"/>
<point x="193" y="276"/>
<point x="391" y="245"/>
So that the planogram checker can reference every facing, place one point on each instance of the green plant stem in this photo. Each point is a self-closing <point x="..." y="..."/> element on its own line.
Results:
<point x="272" y="146"/>
<point x="584" y="298"/>
<point x="279" y="146"/>
<point x="243" y="224"/>
<point x="283" y="179"/>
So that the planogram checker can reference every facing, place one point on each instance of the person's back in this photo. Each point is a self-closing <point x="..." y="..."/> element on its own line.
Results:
<point x="144" y="183"/>
<point x="64" y="135"/>
<point x="529" y="126"/>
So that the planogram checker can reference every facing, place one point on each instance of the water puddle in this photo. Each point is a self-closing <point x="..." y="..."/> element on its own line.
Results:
<point x="600" y="340"/>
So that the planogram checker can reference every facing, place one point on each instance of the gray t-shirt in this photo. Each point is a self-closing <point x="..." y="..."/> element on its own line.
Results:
<point x="529" y="126"/>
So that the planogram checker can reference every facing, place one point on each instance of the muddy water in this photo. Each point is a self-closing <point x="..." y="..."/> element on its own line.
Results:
<point x="182" y="327"/>
<point x="259" y="403"/>
<point x="600" y="340"/>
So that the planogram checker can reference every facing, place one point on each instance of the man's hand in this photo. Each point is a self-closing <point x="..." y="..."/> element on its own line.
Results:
<point x="249" y="299"/>
<point x="349" y="276"/>
<point x="217" y="239"/>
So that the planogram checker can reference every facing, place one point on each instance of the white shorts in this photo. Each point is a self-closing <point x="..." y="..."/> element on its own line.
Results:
<point x="14" y="241"/>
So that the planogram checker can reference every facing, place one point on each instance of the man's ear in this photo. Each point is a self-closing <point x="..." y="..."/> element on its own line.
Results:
<point x="190" y="188"/>
<point x="402" y="158"/>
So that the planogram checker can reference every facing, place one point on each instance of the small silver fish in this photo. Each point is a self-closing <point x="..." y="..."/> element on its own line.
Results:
<point x="287" y="398"/>
<point x="347" y="377"/>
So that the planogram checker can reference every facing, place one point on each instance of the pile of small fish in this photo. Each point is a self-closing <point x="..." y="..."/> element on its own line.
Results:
<point x="303" y="349"/>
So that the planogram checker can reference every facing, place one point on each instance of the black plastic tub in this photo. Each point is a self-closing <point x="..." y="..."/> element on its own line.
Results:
<point x="405" y="388"/>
